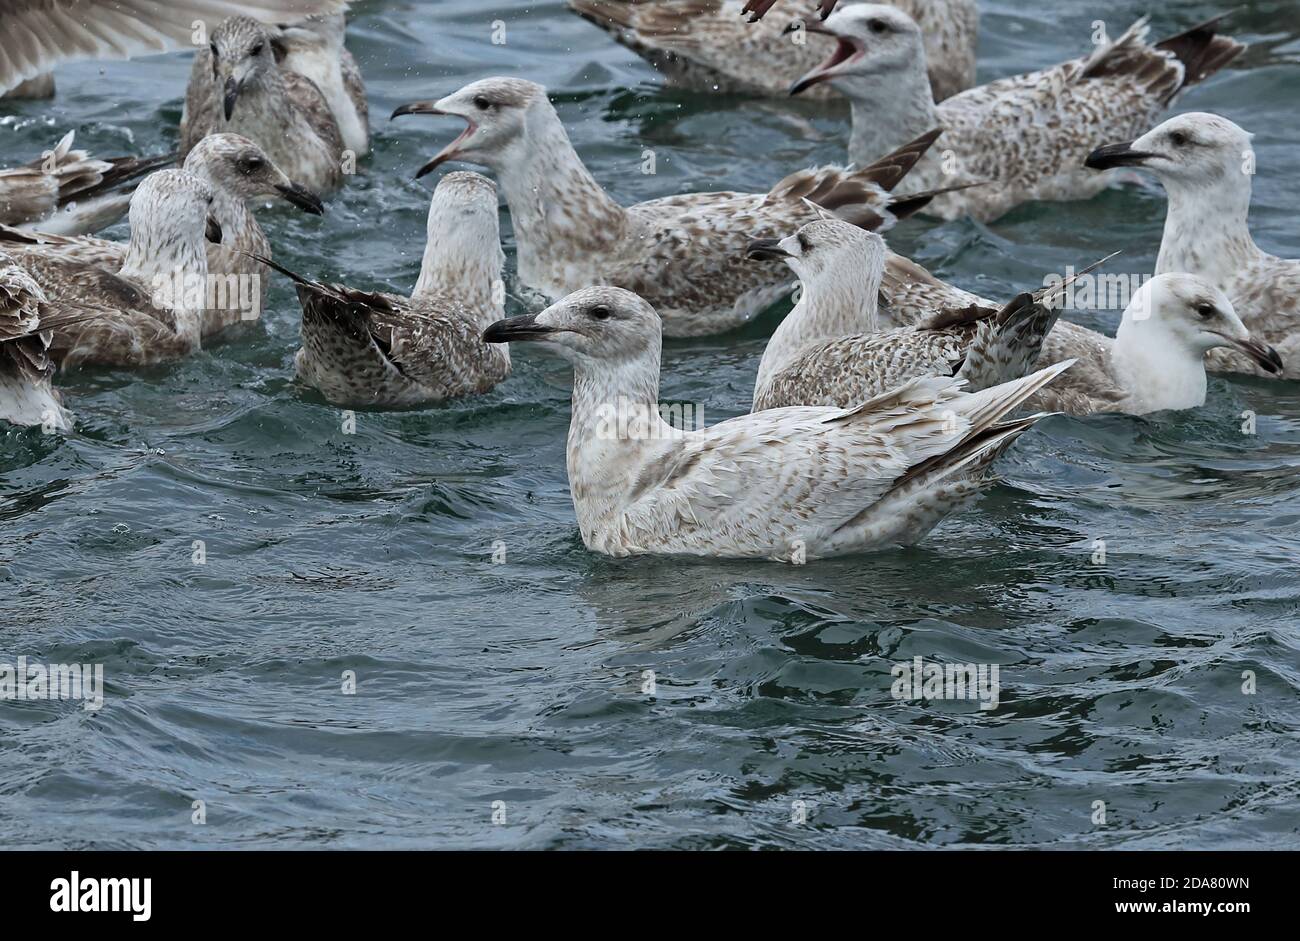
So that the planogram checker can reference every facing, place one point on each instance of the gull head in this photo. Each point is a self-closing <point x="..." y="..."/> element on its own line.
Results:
<point x="1194" y="149"/>
<point x="463" y="247"/>
<point x="235" y="164"/>
<point x="871" y="40"/>
<point x="596" y="325"/>
<point x="241" y="53"/>
<point x="828" y="248"/>
<point x="174" y="207"/>
<point x="1184" y="313"/>
<point x="498" y="112"/>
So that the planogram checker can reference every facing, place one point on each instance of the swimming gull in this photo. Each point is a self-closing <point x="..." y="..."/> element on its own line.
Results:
<point x="684" y="253"/>
<point x="373" y="350"/>
<point x="39" y="34"/>
<point x="829" y="350"/>
<point x="1030" y="134"/>
<point x="237" y="86"/>
<point x="68" y="191"/>
<point x="27" y="393"/>
<point x="789" y="484"/>
<point x="314" y="48"/>
<point x="150" y="308"/>
<point x="706" y="45"/>
<point x="1207" y="165"/>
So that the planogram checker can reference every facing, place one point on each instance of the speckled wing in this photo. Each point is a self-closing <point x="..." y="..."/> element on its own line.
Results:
<point x="86" y="249"/>
<point x="39" y="34"/>
<point x="909" y="293"/>
<point x="199" y="117"/>
<point x="1266" y="296"/>
<point x="303" y="92"/>
<point x="23" y="342"/>
<point x="441" y="349"/>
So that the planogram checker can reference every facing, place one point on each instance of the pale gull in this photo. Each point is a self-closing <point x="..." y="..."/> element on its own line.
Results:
<point x="789" y="484"/>
<point x="1029" y="134"/>
<point x="314" y="48"/>
<point x="685" y="253"/>
<point x="372" y="350"/>
<point x="707" y="45"/>
<point x="1206" y="165"/>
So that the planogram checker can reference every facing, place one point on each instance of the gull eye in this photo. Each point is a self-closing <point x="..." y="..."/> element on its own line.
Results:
<point x="482" y="103"/>
<point x="600" y="312"/>
<point x="1206" y="311"/>
<point x="1179" y="139"/>
<point x="257" y="50"/>
<point x="251" y="164"/>
<point x="878" y="26"/>
<point x="804" y="244"/>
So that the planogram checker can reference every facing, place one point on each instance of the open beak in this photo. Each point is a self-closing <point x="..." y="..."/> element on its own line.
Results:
<point x="302" y="197"/>
<point x="231" y="96"/>
<point x="517" y="330"/>
<point x="451" y="150"/>
<point x="1116" y="155"/>
<point x="213" y="231"/>
<point x="766" y="250"/>
<point x="847" y="51"/>
<point x="1261" y="353"/>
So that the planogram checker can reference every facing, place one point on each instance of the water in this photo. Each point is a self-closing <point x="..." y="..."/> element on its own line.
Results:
<point x="522" y="682"/>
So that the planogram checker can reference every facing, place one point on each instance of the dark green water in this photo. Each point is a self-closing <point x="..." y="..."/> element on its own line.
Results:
<point x="522" y="682"/>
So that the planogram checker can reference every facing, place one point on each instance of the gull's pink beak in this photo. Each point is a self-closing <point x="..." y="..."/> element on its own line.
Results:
<point x="846" y="51"/>
<point x="449" y="152"/>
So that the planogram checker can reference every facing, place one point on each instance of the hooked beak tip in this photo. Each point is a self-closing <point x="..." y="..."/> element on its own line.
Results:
<point x="414" y="107"/>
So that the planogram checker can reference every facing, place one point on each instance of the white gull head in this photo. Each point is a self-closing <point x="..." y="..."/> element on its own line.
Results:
<point x="879" y="52"/>
<point x="1168" y="327"/>
<point x="462" y="251"/>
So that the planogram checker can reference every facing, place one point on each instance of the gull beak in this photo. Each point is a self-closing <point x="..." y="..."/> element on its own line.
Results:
<point x="847" y="51"/>
<point x="231" y="96"/>
<point x="518" y="330"/>
<point x="213" y="231"/>
<point x="451" y="150"/>
<point x="1116" y="155"/>
<point x="302" y="197"/>
<point x="1261" y="353"/>
<point x="766" y="250"/>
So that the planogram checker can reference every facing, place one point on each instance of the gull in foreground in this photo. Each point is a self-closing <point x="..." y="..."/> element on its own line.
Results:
<point x="150" y="308"/>
<point x="829" y="350"/>
<point x="314" y="48"/>
<point x="1206" y="165"/>
<point x="68" y="191"/>
<point x="238" y="171"/>
<point x="684" y="254"/>
<point x="1030" y="134"/>
<point x="237" y="86"/>
<point x="27" y="393"/>
<point x="39" y="34"/>
<point x="372" y="350"/>
<point x="789" y="484"/>
<point x="707" y="45"/>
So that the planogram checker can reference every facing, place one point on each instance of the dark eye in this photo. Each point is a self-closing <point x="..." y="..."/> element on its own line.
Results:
<point x="1206" y="311"/>
<point x="257" y="50"/>
<point x="482" y="103"/>
<point x="878" y="26"/>
<point x="600" y="312"/>
<point x="1179" y="139"/>
<point x="252" y="164"/>
<point x="804" y="243"/>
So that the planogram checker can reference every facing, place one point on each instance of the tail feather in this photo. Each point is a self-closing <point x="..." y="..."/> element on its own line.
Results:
<point x="1007" y="346"/>
<point x="1202" y="50"/>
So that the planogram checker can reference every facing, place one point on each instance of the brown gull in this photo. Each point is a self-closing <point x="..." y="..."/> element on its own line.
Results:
<point x="1206" y="165"/>
<point x="238" y="171"/>
<point x="372" y="350"/>
<point x="150" y="308"/>
<point x="39" y="34"/>
<point x="788" y="484"/>
<point x="314" y="48"/>
<point x="27" y="393"/>
<point x="707" y="46"/>
<point x="685" y="253"/>
<point x="1030" y="134"/>
<point x="237" y="86"/>
<point x="829" y="350"/>
<point x="68" y="191"/>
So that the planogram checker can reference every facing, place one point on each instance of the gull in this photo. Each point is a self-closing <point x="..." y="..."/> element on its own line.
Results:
<point x="68" y="191"/>
<point x="27" y="393"/>
<point x="39" y="34"/>
<point x="372" y="350"/>
<point x="1206" y="165"/>
<point x="705" y="44"/>
<point x="788" y="484"/>
<point x="236" y="86"/>
<point x="1030" y="134"/>
<point x="829" y="350"/>
<point x="150" y="308"/>
<point x="237" y="170"/>
<point x="683" y="253"/>
<point x="314" y="48"/>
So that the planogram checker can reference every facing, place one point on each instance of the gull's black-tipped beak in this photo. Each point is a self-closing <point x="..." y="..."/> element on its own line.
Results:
<point x="213" y="231"/>
<point x="231" y="96"/>
<point x="303" y="198"/>
<point x="766" y="250"/>
<point x="1116" y="155"/>
<point x="415" y="107"/>
<point x="517" y="330"/>
<point x="1262" y="353"/>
